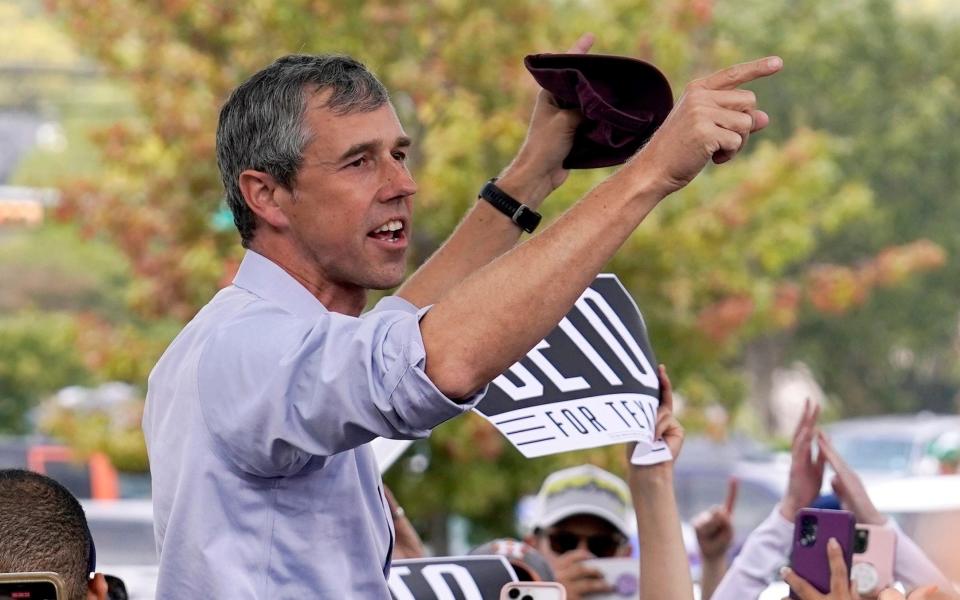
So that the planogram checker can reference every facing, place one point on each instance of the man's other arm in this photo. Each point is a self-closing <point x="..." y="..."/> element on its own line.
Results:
<point x="486" y="233"/>
<point x="493" y="317"/>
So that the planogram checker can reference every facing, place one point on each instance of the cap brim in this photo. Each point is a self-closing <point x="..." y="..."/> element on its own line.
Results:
<point x="583" y="509"/>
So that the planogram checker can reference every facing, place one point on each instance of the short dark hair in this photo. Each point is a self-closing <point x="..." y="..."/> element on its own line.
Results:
<point x="43" y="528"/>
<point x="261" y="124"/>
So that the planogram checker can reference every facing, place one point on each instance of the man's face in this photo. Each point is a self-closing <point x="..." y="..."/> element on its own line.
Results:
<point x="350" y="213"/>
<point x="587" y="532"/>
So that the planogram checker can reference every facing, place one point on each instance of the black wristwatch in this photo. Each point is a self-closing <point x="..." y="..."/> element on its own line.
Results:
<point x="525" y="217"/>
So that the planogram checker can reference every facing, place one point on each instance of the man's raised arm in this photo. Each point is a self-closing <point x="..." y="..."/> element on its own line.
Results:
<point x="486" y="233"/>
<point x="493" y="317"/>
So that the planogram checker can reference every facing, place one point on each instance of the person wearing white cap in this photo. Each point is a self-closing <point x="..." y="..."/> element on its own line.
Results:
<point x="581" y="513"/>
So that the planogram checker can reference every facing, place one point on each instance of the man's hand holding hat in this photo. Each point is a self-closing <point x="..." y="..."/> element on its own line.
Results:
<point x="549" y="138"/>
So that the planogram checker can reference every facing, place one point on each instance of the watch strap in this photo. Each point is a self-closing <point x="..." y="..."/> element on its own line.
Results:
<point x="525" y="217"/>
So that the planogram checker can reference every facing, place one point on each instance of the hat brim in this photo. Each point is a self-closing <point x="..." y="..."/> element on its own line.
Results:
<point x="583" y="509"/>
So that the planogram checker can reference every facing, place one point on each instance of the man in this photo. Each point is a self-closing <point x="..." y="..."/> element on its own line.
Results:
<point x="581" y="513"/>
<point x="258" y="414"/>
<point x="43" y="528"/>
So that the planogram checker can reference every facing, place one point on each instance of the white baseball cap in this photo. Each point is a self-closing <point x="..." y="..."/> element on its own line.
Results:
<point x="583" y="490"/>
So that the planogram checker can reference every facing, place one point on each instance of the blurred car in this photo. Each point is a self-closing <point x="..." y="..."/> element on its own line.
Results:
<point x="94" y="477"/>
<point x="891" y="446"/>
<point x="123" y="535"/>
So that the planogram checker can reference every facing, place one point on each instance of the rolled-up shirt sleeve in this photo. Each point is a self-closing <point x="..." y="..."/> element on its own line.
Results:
<point x="277" y="390"/>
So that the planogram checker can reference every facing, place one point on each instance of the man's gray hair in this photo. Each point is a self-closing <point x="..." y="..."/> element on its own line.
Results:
<point x="262" y="123"/>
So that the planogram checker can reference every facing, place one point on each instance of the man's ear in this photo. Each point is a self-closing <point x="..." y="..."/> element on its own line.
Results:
<point x="97" y="588"/>
<point x="264" y="196"/>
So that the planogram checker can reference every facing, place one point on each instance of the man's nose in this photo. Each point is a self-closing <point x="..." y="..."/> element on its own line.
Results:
<point x="398" y="182"/>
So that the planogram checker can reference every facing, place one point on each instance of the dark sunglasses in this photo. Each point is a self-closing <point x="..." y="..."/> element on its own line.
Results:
<point x="602" y="545"/>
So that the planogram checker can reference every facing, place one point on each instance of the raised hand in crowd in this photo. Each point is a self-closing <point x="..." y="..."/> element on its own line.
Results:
<point x="658" y="521"/>
<point x="912" y="566"/>
<point x="848" y="486"/>
<point x="806" y="473"/>
<point x="767" y="547"/>
<point x="841" y="588"/>
<point x="714" y="528"/>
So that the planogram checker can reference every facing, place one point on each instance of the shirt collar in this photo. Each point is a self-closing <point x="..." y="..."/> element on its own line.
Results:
<point x="261" y="276"/>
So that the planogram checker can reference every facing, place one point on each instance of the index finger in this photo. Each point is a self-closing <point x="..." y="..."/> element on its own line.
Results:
<point x="731" y="495"/>
<point x="737" y="75"/>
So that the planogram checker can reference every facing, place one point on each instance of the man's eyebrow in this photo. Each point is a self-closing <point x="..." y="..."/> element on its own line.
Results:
<point x="373" y="145"/>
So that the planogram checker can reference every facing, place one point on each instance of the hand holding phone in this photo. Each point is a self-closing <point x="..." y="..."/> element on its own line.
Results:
<point x="533" y="590"/>
<point x="874" y="549"/>
<point x="839" y="587"/>
<point x="813" y="529"/>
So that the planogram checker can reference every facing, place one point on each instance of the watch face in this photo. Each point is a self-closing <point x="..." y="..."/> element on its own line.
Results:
<point x="865" y="575"/>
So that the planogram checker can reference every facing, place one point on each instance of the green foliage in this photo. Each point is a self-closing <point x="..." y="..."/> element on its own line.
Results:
<point x="886" y="83"/>
<point x="37" y="357"/>
<point x="80" y="275"/>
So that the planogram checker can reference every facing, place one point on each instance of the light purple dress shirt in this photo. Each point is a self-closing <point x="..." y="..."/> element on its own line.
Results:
<point x="257" y="420"/>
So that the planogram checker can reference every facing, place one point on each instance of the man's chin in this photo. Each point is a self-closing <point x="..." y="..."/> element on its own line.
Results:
<point x="385" y="282"/>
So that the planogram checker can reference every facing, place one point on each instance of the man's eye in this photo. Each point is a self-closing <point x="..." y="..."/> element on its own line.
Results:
<point x="401" y="156"/>
<point x="359" y="162"/>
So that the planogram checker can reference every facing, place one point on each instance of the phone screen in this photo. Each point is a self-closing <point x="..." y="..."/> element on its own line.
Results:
<point x="28" y="590"/>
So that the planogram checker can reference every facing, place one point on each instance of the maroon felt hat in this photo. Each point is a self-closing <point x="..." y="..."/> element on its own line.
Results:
<point x="623" y="101"/>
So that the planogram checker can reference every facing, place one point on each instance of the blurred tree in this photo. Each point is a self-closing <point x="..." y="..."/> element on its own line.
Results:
<point x="37" y="357"/>
<point x="728" y="260"/>
<point x="884" y="80"/>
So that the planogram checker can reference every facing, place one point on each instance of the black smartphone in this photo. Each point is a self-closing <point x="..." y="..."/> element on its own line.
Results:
<point x="31" y="586"/>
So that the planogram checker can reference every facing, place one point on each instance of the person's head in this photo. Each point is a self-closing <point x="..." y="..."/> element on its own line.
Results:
<point x="528" y="564"/>
<point x="582" y="507"/>
<point x="312" y="157"/>
<point x="43" y="528"/>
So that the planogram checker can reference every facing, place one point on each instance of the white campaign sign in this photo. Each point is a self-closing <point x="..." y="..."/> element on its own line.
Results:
<point x="591" y="382"/>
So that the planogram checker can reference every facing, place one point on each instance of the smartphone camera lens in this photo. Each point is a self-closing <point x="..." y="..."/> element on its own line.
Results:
<point x="514" y="593"/>
<point x="861" y="542"/>
<point x="808" y="531"/>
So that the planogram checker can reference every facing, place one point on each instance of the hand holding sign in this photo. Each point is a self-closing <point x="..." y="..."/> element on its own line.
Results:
<point x="589" y="383"/>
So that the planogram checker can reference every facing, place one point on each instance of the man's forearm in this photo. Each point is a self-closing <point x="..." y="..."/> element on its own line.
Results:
<point x="483" y="235"/>
<point x="493" y="317"/>
<point x="664" y="569"/>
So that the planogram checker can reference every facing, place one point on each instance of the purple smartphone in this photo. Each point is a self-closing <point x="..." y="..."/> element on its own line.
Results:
<point x="813" y="527"/>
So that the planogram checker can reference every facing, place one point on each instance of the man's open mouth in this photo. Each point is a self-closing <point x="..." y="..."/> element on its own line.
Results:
<point x="391" y="231"/>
